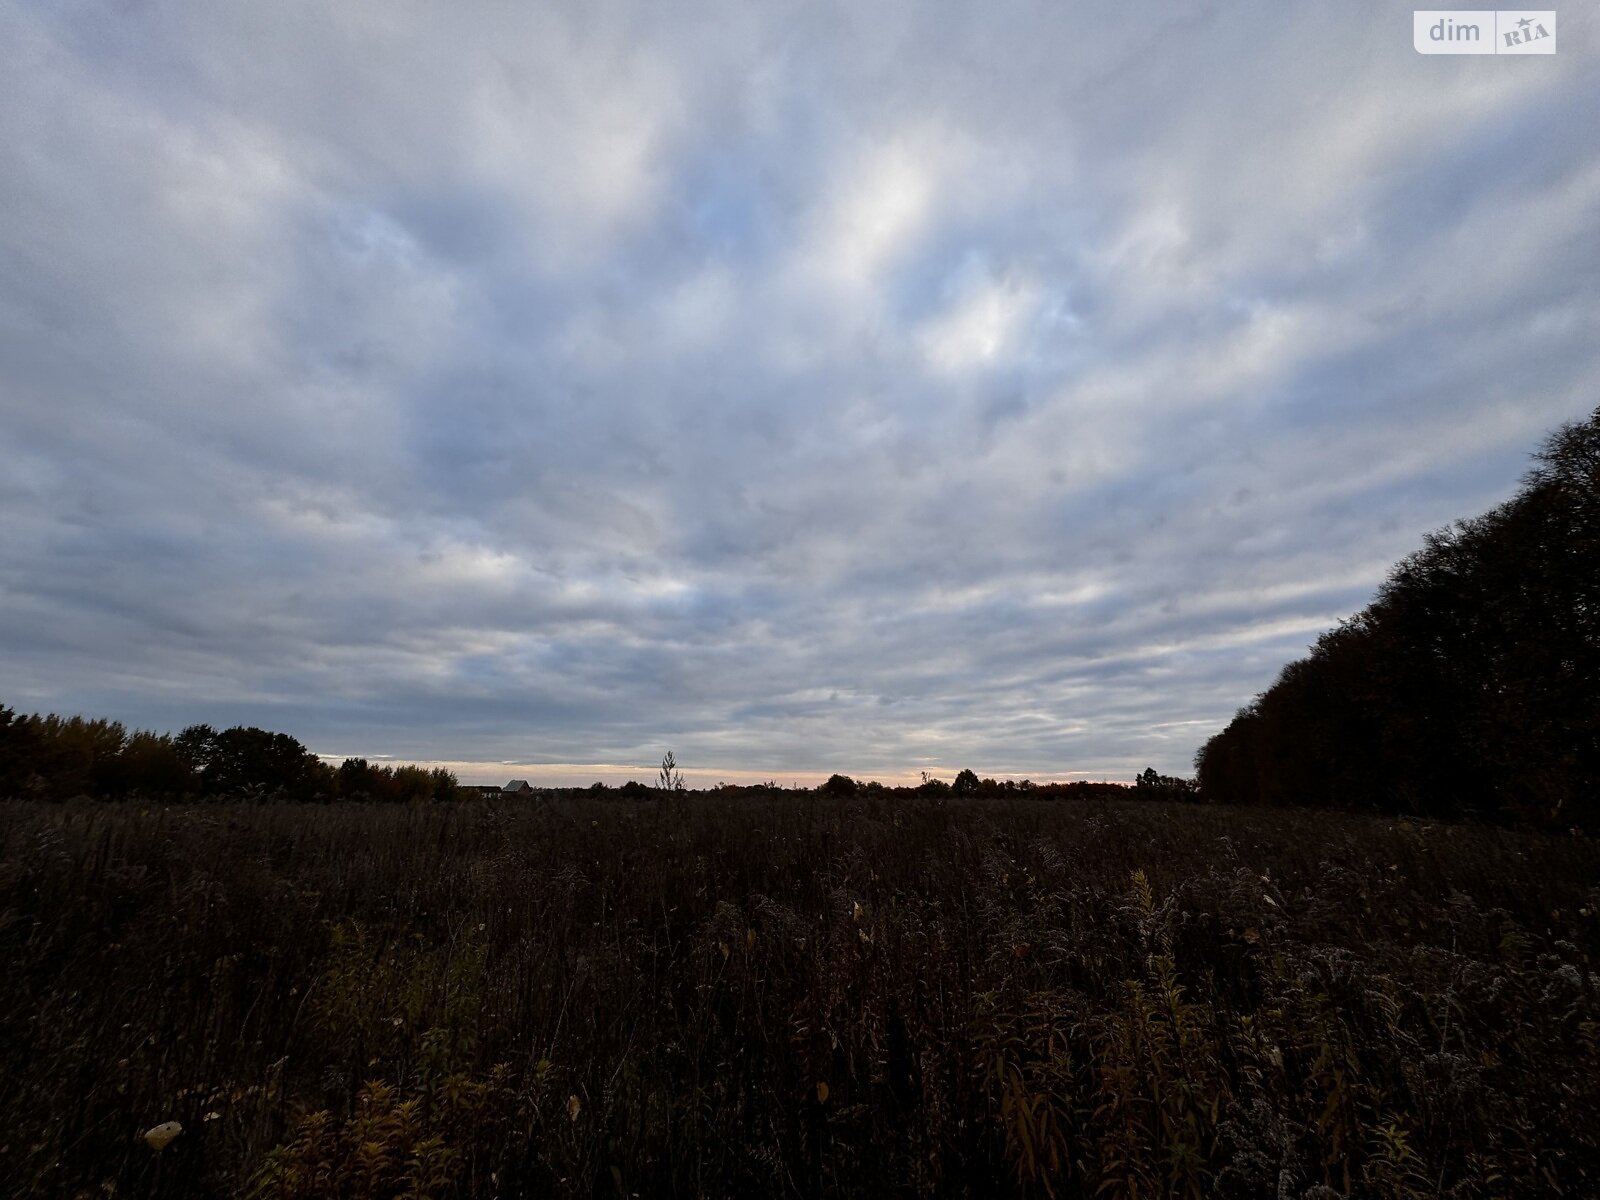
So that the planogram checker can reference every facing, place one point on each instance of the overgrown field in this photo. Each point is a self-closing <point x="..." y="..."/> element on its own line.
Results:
<point x="793" y="995"/>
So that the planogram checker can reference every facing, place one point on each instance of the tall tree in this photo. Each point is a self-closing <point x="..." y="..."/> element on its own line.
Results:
<point x="1470" y="685"/>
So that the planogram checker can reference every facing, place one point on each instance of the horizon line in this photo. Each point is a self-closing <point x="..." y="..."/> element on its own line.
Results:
<point x="567" y="774"/>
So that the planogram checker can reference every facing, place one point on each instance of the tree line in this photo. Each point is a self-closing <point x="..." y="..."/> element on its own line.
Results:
<point x="50" y="757"/>
<point x="1470" y="686"/>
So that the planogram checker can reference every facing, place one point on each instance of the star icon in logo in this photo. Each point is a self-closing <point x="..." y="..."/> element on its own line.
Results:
<point x="1525" y="22"/>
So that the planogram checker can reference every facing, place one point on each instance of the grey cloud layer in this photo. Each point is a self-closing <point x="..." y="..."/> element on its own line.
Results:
<point x="800" y="387"/>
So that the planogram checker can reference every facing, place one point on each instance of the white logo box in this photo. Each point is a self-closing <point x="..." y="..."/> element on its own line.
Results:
<point x="1483" y="31"/>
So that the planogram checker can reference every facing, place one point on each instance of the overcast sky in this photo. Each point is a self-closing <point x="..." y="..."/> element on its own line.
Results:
<point x="801" y="387"/>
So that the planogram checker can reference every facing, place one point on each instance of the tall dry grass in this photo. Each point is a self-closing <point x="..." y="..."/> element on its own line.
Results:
<point x="793" y="995"/>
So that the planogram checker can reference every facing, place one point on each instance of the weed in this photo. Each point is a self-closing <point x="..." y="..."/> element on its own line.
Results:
<point x="744" y="994"/>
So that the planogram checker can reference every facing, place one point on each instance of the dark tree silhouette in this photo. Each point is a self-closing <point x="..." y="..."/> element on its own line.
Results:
<point x="1469" y="686"/>
<point x="839" y="785"/>
<point x="249" y="761"/>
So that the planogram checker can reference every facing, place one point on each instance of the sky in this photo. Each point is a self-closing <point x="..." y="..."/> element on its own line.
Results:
<point x="875" y="388"/>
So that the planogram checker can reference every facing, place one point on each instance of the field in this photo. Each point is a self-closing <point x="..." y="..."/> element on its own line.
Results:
<point x="787" y="994"/>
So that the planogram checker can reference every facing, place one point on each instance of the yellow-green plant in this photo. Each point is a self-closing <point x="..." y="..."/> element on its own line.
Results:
<point x="1393" y="1169"/>
<point x="396" y="1145"/>
<point x="1025" y="1060"/>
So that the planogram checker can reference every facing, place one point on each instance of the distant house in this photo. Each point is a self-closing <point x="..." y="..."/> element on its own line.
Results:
<point x="517" y="787"/>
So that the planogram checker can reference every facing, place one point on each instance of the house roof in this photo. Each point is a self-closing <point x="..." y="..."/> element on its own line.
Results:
<point x="517" y="785"/>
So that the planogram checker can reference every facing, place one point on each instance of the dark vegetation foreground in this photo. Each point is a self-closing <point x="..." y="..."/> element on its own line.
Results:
<point x="796" y="995"/>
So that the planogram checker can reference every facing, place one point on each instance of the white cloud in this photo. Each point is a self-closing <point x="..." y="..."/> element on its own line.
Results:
<point x="878" y="199"/>
<point x="979" y="328"/>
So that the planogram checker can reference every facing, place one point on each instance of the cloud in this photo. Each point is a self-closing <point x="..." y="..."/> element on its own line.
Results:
<point x="805" y="388"/>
